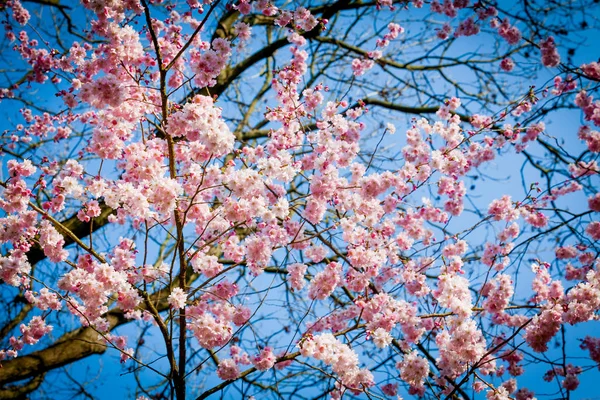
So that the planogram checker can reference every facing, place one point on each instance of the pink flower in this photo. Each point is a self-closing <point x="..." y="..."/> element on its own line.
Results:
<point x="550" y="56"/>
<point x="524" y="394"/>
<point x="414" y="369"/>
<point x="325" y="282"/>
<point x="241" y="315"/>
<point x="592" y="138"/>
<point x="499" y="394"/>
<point x="390" y="389"/>
<point x="35" y="330"/>
<point x="542" y="328"/>
<point x="20" y="14"/>
<point x="592" y="70"/>
<point x="23" y="169"/>
<point x="593" y="230"/>
<point x="381" y="338"/>
<point x="228" y="369"/>
<point x="344" y="361"/>
<point x="52" y="242"/>
<point x="209" y="331"/>
<point x="296" y="276"/>
<point x="498" y="297"/>
<point x="593" y="346"/>
<point x="459" y="347"/>
<point x="177" y="298"/>
<point x="507" y="64"/>
<point x="258" y="253"/>
<point x="242" y="30"/>
<point x="264" y="360"/>
<point x="503" y="209"/>
<point x="566" y="252"/>
<point x="453" y="293"/>
<point x="510" y="33"/>
<point x="88" y="211"/>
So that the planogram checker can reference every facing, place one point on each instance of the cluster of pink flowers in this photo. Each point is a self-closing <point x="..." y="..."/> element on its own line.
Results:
<point x="361" y="65"/>
<point x="35" y="330"/>
<point x="591" y="138"/>
<point x="296" y="275"/>
<point x="343" y="360"/>
<point x="593" y="346"/>
<point x="509" y="32"/>
<point x="414" y="369"/>
<point x="591" y="108"/>
<point x="507" y="64"/>
<point x="209" y="331"/>
<point x="592" y="69"/>
<point x="208" y="61"/>
<point x="264" y="360"/>
<point x="562" y="86"/>
<point x="550" y="56"/>
<point x="503" y="209"/>
<point x="324" y="283"/>
<point x="570" y="372"/>
<point x="228" y="369"/>
<point x="453" y="293"/>
<point x="498" y="293"/>
<point x="200" y="120"/>
<point x="31" y="333"/>
<point x="393" y="31"/>
<point x="177" y="298"/>
<point x="461" y="346"/>
<point x="448" y="7"/>
<point x="543" y="327"/>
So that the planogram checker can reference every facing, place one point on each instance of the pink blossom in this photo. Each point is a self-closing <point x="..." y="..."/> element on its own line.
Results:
<point x="593" y="346"/>
<point x="344" y="361"/>
<point x="413" y="369"/>
<point x="510" y="33"/>
<point x="177" y="298"/>
<point x="583" y="168"/>
<point x="296" y="275"/>
<point x="258" y="252"/>
<point x="503" y="209"/>
<point x="524" y="394"/>
<point x="468" y="27"/>
<point x="52" y="242"/>
<point x="460" y="346"/>
<point x="592" y="138"/>
<point x="264" y="360"/>
<point x="566" y="252"/>
<point x="453" y="293"/>
<point x="228" y="369"/>
<point x="507" y="64"/>
<point x="593" y="230"/>
<point x="542" y="328"/>
<point x="34" y="330"/>
<point x="242" y="30"/>
<point x="591" y="108"/>
<point x="23" y="169"/>
<point x="381" y="338"/>
<point x="498" y="394"/>
<point x="390" y="389"/>
<point x="209" y="331"/>
<point x="550" y="56"/>
<point x="45" y="300"/>
<point x="592" y="70"/>
<point x="325" y="282"/>
<point x="20" y="14"/>
<point x="498" y="297"/>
